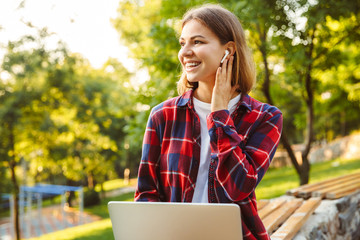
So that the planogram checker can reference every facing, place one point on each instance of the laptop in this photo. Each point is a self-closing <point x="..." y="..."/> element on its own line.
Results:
<point x="174" y="221"/>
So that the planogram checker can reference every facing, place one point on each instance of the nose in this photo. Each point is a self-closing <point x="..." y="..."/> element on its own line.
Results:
<point x="185" y="51"/>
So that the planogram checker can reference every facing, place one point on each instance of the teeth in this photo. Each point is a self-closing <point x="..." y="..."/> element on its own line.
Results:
<point x="192" y="64"/>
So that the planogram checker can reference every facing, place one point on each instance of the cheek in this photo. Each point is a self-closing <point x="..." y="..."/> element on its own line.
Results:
<point x="180" y="57"/>
<point x="211" y="56"/>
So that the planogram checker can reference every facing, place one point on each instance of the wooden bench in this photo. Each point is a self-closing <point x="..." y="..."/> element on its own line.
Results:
<point x="283" y="218"/>
<point x="329" y="189"/>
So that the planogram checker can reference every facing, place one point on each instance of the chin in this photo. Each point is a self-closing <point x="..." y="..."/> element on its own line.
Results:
<point x="195" y="79"/>
<point x="192" y="79"/>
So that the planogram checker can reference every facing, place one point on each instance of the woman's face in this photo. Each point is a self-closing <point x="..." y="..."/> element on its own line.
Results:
<point x="200" y="53"/>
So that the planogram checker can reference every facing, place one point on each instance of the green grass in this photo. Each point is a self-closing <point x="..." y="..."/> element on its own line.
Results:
<point x="114" y="184"/>
<point x="277" y="181"/>
<point x="92" y="231"/>
<point x="274" y="184"/>
<point x="102" y="211"/>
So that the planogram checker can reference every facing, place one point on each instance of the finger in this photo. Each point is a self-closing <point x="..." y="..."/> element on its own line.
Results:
<point x="218" y="75"/>
<point x="224" y="70"/>
<point x="229" y="70"/>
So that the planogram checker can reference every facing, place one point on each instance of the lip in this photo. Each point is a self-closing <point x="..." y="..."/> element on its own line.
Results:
<point x="189" y="68"/>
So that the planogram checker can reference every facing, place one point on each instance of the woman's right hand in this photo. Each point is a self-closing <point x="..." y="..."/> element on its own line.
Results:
<point x="223" y="91"/>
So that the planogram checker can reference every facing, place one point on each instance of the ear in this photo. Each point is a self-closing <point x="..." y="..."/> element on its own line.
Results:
<point x="231" y="47"/>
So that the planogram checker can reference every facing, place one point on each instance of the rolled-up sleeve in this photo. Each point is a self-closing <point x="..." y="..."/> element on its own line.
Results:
<point x="239" y="161"/>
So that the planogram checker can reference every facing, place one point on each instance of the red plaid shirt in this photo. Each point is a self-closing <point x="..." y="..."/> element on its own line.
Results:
<point x="242" y="146"/>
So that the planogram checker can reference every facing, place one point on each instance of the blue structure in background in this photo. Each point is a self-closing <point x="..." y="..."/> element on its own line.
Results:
<point x="38" y="192"/>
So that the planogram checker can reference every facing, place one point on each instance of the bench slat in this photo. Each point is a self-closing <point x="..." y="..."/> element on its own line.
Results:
<point x="273" y="205"/>
<point x="293" y="224"/>
<point x="305" y="189"/>
<point x="262" y="203"/>
<point x="327" y="183"/>
<point x="338" y="187"/>
<point x="343" y="192"/>
<point x="277" y="217"/>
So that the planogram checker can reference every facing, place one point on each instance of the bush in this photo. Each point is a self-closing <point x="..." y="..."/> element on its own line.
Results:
<point x="91" y="198"/>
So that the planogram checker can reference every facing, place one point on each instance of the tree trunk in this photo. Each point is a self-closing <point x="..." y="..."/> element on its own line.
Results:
<point x="91" y="181"/>
<point x="343" y="123"/>
<point x="71" y="194"/>
<point x="12" y="165"/>
<point x="102" y="190"/>
<point x="309" y="100"/>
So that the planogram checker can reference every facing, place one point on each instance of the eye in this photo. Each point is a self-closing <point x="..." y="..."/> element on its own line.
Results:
<point x="198" y="42"/>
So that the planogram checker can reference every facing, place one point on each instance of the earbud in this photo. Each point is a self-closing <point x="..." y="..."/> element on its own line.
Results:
<point x="226" y="54"/>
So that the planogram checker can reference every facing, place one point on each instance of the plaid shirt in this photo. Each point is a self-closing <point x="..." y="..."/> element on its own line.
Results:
<point x="242" y="146"/>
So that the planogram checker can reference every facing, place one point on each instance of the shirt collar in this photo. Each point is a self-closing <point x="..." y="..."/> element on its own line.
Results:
<point x="245" y="101"/>
<point x="186" y="99"/>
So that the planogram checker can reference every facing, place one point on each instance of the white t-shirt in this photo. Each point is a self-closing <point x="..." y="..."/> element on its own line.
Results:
<point x="203" y="110"/>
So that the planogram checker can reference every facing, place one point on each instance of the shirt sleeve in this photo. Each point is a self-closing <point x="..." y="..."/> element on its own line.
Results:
<point x="148" y="185"/>
<point x="239" y="163"/>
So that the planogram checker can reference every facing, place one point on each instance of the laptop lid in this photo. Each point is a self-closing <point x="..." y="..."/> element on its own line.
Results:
<point x="174" y="221"/>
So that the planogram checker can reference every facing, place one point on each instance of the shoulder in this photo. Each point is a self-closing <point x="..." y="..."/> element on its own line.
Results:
<point x="171" y="105"/>
<point x="164" y="107"/>
<point x="257" y="106"/>
<point x="258" y="111"/>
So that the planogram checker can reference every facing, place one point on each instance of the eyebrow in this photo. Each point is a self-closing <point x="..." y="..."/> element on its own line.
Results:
<point x="195" y="36"/>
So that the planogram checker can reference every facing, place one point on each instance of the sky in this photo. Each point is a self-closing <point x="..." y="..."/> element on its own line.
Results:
<point x="84" y="25"/>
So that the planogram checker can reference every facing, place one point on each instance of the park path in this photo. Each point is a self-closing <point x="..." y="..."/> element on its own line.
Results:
<point x="51" y="219"/>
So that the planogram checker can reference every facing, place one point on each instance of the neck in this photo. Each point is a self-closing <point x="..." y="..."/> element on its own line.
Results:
<point x="204" y="92"/>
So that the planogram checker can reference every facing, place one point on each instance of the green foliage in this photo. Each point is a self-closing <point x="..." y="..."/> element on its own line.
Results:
<point x="320" y="50"/>
<point x="60" y="118"/>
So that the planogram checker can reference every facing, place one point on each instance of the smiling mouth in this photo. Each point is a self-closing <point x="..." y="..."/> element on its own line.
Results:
<point x="191" y="65"/>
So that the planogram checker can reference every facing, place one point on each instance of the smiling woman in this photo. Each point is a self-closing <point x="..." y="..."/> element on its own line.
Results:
<point x="214" y="142"/>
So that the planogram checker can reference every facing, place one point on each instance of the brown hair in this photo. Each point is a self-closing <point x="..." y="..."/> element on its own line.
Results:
<point x="226" y="26"/>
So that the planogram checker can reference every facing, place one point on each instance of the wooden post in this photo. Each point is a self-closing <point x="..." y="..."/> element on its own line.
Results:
<point x="126" y="176"/>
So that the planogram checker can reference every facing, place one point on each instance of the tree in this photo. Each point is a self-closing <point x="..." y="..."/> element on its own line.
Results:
<point x="92" y="136"/>
<point x="260" y="22"/>
<point x="21" y="102"/>
<point x="308" y="48"/>
<point x="59" y="116"/>
<point x="269" y="27"/>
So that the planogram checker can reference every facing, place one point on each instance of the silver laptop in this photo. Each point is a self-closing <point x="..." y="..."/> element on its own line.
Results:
<point x="174" y="221"/>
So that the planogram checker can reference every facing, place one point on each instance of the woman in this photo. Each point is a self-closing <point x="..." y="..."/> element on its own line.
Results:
<point x="213" y="143"/>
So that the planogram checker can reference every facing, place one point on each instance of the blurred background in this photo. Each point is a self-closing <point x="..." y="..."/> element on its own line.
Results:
<point x="78" y="80"/>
